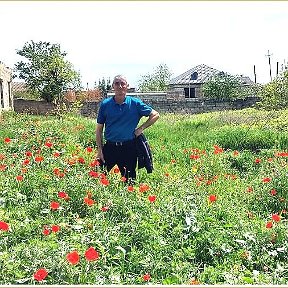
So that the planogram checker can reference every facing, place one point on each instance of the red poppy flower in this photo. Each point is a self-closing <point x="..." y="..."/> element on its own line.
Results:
<point x="116" y="170"/>
<point x="194" y="282"/>
<point x="143" y="187"/>
<point x="2" y="157"/>
<point x="26" y="162"/>
<point x="217" y="149"/>
<point x="89" y="201"/>
<point x="40" y="274"/>
<point x="123" y="179"/>
<point x="56" y="171"/>
<point x="257" y="160"/>
<point x="73" y="258"/>
<point x="39" y="159"/>
<point x="81" y="160"/>
<point x="235" y="153"/>
<point x="105" y="208"/>
<point x="269" y="225"/>
<point x="146" y="277"/>
<point x="28" y="153"/>
<point x="56" y="154"/>
<point x="54" y="205"/>
<point x="46" y="231"/>
<point x="152" y="198"/>
<point x="194" y="157"/>
<point x="273" y="192"/>
<point x="89" y="149"/>
<point x="212" y="198"/>
<point x="3" y="167"/>
<point x="48" y="144"/>
<point x="266" y="180"/>
<point x="94" y="174"/>
<point x="276" y="217"/>
<point x="130" y="188"/>
<point x="19" y="178"/>
<point x="249" y="189"/>
<point x="61" y="174"/>
<point x="62" y="194"/>
<point x="4" y="226"/>
<point x="104" y="181"/>
<point x="7" y="140"/>
<point x="91" y="254"/>
<point x="94" y="163"/>
<point x="281" y="154"/>
<point x="55" y="228"/>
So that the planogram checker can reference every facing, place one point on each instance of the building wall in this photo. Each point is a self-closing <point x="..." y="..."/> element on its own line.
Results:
<point x="161" y="104"/>
<point x="6" y="100"/>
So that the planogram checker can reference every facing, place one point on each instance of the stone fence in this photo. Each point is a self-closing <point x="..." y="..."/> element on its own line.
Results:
<point x="162" y="105"/>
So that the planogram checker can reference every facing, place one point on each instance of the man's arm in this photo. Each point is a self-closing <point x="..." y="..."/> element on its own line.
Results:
<point x="153" y="117"/>
<point x="99" y="141"/>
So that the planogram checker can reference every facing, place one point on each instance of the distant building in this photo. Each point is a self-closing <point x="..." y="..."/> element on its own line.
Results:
<point x="190" y="83"/>
<point x="6" y="98"/>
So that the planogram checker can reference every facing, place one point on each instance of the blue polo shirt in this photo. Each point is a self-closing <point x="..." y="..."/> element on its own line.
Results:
<point x="121" y="120"/>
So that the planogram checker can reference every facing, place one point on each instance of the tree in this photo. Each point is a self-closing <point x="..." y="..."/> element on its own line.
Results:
<point x="104" y="86"/>
<point x="274" y="95"/>
<point x="46" y="72"/>
<point x="157" y="81"/>
<point x="224" y="86"/>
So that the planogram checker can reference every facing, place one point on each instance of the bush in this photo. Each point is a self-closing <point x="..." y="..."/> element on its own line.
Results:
<point x="274" y="95"/>
<point x="225" y="86"/>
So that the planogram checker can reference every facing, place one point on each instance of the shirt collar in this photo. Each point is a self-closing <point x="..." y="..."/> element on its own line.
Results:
<point x="124" y="102"/>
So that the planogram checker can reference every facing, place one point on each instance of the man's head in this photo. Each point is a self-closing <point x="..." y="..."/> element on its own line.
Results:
<point x="120" y="85"/>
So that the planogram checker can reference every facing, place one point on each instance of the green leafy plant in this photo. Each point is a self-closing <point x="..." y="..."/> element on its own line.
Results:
<point x="212" y="211"/>
<point x="45" y="70"/>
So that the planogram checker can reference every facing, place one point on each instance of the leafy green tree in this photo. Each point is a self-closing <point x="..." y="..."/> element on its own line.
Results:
<point x="274" y="95"/>
<point x="225" y="86"/>
<point x="46" y="72"/>
<point x="156" y="81"/>
<point x="104" y="86"/>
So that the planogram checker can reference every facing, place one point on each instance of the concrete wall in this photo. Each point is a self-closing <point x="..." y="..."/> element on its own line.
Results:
<point x="6" y="99"/>
<point x="161" y="104"/>
<point x="33" y="107"/>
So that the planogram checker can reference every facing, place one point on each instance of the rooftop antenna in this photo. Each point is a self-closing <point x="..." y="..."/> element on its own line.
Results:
<point x="269" y="61"/>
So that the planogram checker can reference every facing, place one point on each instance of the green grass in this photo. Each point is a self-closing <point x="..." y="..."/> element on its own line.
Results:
<point x="181" y="236"/>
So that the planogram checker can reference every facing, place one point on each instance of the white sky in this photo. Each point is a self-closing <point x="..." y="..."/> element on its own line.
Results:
<point x="105" y="38"/>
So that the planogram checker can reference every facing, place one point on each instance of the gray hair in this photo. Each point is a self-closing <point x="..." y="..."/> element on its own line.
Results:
<point x="122" y="77"/>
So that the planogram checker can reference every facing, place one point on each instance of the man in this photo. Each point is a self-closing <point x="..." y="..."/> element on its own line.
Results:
<point x="120" y="115"/>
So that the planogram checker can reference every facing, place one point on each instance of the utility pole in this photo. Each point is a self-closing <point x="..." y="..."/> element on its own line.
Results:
<point x="269" y="61"/>
<point x="255" y="79"/>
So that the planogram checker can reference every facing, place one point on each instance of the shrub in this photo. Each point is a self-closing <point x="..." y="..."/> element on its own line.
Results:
<point x="274" y="95"/>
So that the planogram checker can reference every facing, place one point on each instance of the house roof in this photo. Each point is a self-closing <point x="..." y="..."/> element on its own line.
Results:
<point x="203" y="71"/>
<point x="19" y="86"/>
<point x="201" y="74"/>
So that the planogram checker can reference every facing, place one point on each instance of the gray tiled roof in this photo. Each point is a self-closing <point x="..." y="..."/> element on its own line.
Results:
<point x="204" y="73"/>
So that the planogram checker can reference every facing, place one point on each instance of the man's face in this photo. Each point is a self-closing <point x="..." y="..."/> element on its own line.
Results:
<point x="120" y="86"/>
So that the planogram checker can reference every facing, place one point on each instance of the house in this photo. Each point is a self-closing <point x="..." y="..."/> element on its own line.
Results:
<point x="6" y="98"/>
<point x="190" y="82"/>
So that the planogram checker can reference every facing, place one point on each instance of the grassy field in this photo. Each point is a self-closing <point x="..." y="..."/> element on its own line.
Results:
<point x="213" y="211"/>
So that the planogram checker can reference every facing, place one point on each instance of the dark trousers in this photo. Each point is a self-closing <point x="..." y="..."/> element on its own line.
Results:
<point x="124" y="156"/>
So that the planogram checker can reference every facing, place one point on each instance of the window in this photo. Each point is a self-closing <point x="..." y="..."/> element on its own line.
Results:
<point x="190" y="92"/>
<point x="194" y="76"/>
<point x="10" y="94"/>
